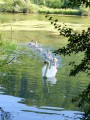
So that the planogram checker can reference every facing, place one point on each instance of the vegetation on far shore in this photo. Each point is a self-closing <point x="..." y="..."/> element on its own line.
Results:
<point x="49" y="7"/>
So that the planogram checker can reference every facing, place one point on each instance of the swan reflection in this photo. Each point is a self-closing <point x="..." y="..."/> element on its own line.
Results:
<point x="51" y="80"/>
<point x="47" y="82"/>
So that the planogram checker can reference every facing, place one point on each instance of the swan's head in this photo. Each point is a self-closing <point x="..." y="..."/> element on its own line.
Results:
<point x="46" y="62"/>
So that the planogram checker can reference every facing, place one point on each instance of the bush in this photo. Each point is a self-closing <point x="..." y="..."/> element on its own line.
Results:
<point x="84" y="11"/>
<point x="17" y="6"/>
<point x="54" y="3"/>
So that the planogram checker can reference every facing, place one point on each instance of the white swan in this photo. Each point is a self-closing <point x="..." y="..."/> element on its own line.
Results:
<point x="48" y="71"/>
<point x="47" y="55"/>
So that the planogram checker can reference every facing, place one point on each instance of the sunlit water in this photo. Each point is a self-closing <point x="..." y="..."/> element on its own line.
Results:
<point x="26" y="95"/>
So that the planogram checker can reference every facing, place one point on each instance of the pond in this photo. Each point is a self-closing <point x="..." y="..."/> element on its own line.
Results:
<point x="23" y="92"/>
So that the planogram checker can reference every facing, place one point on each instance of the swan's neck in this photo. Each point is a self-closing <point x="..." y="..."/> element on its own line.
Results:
<point x="47" y="67"/>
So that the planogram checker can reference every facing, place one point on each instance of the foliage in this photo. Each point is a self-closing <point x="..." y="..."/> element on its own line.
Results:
<point x="5" y="115"/>
<point x="77" y="42"/>
<point x="17" y="6"/>
<point x="84" y="101"/>
<point x="84" y="11"/>
<point x="11" y="6"/>
<point x="54" y="3"/>
<point x="73" y="3"/>
<point x="6" y="51"/>
<point x="34" y="6"/>
<point x="38" y="2"/>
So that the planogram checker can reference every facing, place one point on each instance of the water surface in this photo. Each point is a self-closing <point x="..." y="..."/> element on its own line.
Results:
<point x="22" y="79"/>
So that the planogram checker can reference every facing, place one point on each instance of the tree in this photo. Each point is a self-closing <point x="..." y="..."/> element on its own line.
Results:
<point x="14" y="6"/>
<point x="54" y="3"/>
<point x="73" y="3"/>
<point x="77" y="42"/>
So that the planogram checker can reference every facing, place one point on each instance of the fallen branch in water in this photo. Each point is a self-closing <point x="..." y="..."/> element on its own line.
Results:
<point x="10" y="60"/>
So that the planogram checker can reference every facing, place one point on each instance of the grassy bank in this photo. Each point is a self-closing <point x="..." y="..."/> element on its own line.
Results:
<point x="59" y="11"/>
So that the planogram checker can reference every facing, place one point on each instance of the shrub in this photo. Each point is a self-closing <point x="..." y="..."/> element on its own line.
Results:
<point x="84" y="11"/>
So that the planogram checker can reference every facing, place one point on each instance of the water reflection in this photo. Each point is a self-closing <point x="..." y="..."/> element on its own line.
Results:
<point x="47" y="82"/>
<point x="24" y="87"/>
<point x="51" y="80"/>
<point x="23" y="79"/>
